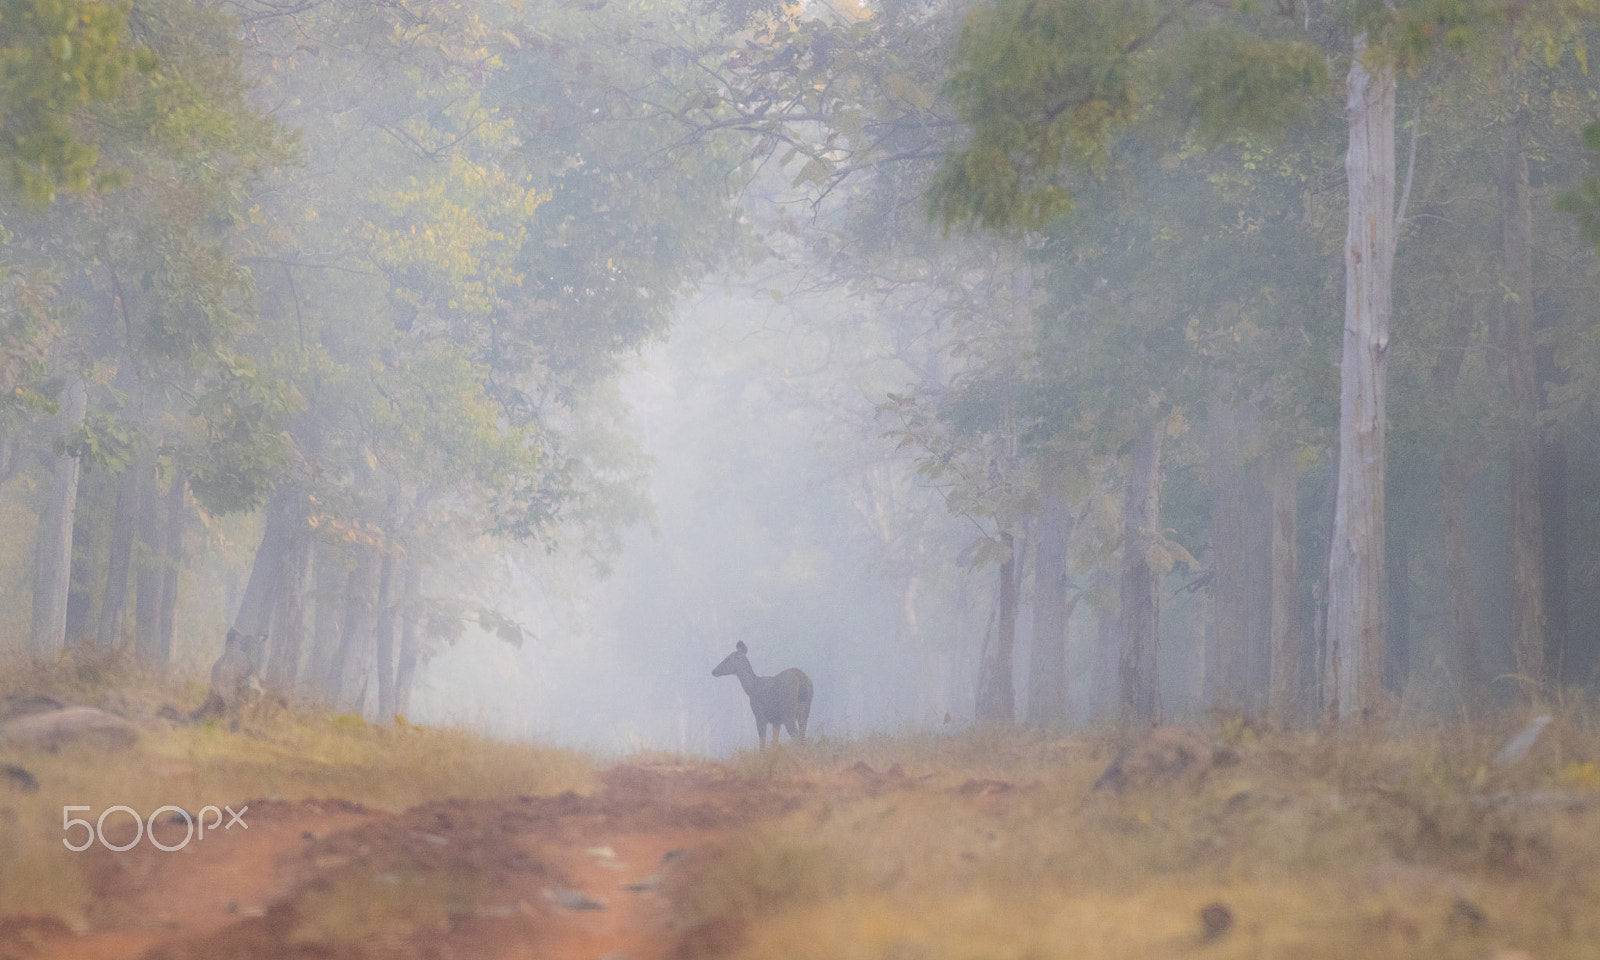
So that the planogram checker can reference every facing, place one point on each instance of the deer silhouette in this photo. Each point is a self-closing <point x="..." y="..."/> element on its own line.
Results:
<point x="780" y="701"/>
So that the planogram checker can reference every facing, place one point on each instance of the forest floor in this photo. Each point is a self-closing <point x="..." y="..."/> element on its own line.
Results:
<point x="1223" y="842"/>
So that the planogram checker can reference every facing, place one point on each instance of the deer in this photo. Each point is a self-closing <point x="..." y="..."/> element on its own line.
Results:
<point x="780" y="701"/>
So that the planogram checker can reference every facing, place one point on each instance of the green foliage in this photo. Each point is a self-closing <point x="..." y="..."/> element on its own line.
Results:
<point x="57" y="56"/>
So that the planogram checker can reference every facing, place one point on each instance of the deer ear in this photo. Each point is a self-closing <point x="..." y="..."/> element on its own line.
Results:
<point x="740" y="647"/>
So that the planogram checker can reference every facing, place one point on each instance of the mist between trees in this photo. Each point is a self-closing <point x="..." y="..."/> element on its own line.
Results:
<point x="1046" y="361"/>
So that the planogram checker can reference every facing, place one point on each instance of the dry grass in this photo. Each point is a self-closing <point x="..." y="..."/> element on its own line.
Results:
<point x="277" y="753"/>
<point x="1413" y="845"/>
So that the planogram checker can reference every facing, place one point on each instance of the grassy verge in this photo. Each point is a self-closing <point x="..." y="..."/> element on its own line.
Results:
<point x="996" y="846"/>
<point x="277" y="753"/>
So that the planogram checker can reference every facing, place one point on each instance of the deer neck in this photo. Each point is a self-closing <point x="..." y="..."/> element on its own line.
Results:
<point x="747" y="679"/>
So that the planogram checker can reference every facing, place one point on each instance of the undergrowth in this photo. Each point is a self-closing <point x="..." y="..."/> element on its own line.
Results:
<point x="995" y="845"/>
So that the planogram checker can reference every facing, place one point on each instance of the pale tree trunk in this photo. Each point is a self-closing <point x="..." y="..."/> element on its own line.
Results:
<point x="114" y="602"/>
<point x="1283" y="686"/>
<point x="384" y="641"/>
<point x="1527" y="534"/>
<point x="172" y="559"/>
<point x="1355" y="636"/>
<point x="996" y="698"/>
<point x="1140" y="601"/>
<point x="148" y="556"/>
<point x="1047" y="669"/>
<point x="47" y="630"/>
<point x="410" y="637"/>
<point x="1225" y="660"/>
<point x="289" y="620"/>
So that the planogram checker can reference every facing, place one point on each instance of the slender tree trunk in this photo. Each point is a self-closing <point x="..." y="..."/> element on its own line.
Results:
<point x="1527" y="528"/>
<point x="1557" y="565"/>
<point x="384" y="640"/>
<point x="1140" y="615"/>
<point x="1106" y="699"/>
<point x="1355" y="565"/>
<point x="289" y="620"/>
<point x="1397" y="662"/>
<point x="1283" y="688"/>
<point x="172" y="559"/>
<point x="996" y="698"/>
<point x="347" y="678"/>
<point x="1465" y="659"/>
<point x="114" y="603"/>
<point x="148" y="554"/>
<point x="1047" y="670"/>
<point x="1225" y="660"/>
<point x="410" y="637"/>
<point x="81" y="585"/>
<point x="328" y="604"/>
<point x="47" y="631"/>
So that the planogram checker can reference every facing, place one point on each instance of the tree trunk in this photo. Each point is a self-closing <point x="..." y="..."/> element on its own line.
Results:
<point x="261" y="591"/>
<point x="1527" y="535"/>
<point x="384" y="641"/>
<point x="996" y="698"/>
<point x="114" y="603"/>
<point x="410" y="637"/>
<point x="1355" y="636"/>
<point x="1047" y="669"/>
<point x="348" y="674"/>
<point x="1465" y="658"/>
<point x="1140" y="601"/>
<point x="47" y="630"/>
<point x="172" y="564"/>
<point x="1225" y="660"/>
<point x="1283" y="687"/>
<point x="289" y="620"/>
<point x="147" y="561"/>
<point x="328" y="603"/>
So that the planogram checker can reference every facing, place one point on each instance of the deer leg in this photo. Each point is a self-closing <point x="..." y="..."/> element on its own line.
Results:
<point x="761" y="732"/>
<point x="789" y="726"/>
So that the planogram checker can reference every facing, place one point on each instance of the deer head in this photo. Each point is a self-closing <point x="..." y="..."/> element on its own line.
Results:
<point x="733" y="662"/>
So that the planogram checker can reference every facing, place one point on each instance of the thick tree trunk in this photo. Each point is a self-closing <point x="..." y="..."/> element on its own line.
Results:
<point x="1283" y="688"/>
<point x="410" y="637"/>
<point x="1355" y="636"/>
<point x="289" y="620"/>
<point x="254" y="617"/>
<point x="47" y="631"/>
<point x="1140" y="601"/>
<point x="1527" y="528"/>
<point x="177" y="520"/>
<point x="1557" y="563"/>
<point x="1225" y="660"/>
<point x="996" y="698"/>
<point x="81" y="582"/>
<point x="1047" y="669"/>
<point x="147" y="561"/>
<point x="384" y="640"/>
<point x="114" y="603"/>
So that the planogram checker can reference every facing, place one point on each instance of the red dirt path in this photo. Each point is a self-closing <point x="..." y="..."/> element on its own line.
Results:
<point x="491" y="879"/>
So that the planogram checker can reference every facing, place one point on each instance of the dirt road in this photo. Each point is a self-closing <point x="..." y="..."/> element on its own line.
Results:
<point x="558" y="878"/>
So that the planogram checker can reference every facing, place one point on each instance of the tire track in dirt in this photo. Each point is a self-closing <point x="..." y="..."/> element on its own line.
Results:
<point x="558" y="878"/>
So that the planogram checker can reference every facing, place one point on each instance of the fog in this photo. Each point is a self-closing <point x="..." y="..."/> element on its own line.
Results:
<point x="506" y="365"/>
